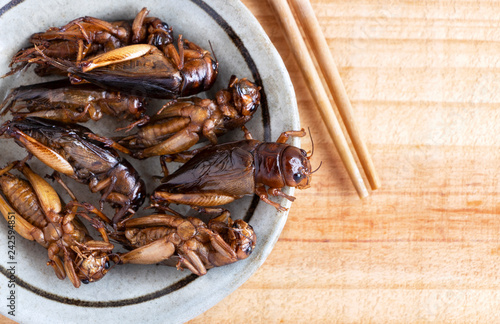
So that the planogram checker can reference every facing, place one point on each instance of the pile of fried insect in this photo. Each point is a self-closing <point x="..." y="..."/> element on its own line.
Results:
<point x="103" y="63"/>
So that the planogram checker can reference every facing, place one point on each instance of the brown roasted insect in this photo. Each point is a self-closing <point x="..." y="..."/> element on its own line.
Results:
<point x="86" y="36"/>
<point x="189" y="241"/>
<point x="179" y="125"/>
<point x="33" y="209"/>
<point x="219" y="174"/>
<point x="145" y="70"/>
<point x="70" y="150"/>
<point x="62" y="101"/>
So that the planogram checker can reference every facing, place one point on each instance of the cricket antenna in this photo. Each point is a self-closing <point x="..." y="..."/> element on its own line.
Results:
<point x="213" y="52"/>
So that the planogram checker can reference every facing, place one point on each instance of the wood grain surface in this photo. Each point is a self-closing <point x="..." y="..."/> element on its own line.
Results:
<point x="423" y="78"/>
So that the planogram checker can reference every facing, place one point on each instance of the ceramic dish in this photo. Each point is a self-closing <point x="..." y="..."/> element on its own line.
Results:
<point x="148" y="294"/>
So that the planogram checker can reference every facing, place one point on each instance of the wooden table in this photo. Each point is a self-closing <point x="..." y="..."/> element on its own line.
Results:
<point x="423" y="78"/>
<point x="424" y="81"/>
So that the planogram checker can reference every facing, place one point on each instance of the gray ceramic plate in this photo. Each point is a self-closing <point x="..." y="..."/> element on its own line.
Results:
<point x="153" y="294"/>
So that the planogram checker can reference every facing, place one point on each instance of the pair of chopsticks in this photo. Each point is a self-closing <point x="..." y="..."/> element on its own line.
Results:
<point x="319" y="46"/>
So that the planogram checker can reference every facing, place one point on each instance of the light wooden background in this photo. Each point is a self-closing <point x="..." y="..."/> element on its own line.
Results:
<point x="424" y="80"/>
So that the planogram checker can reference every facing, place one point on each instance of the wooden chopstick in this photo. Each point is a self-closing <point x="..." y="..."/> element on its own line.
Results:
<point x="317" y="42"/>
<point x="306" y="64"/>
